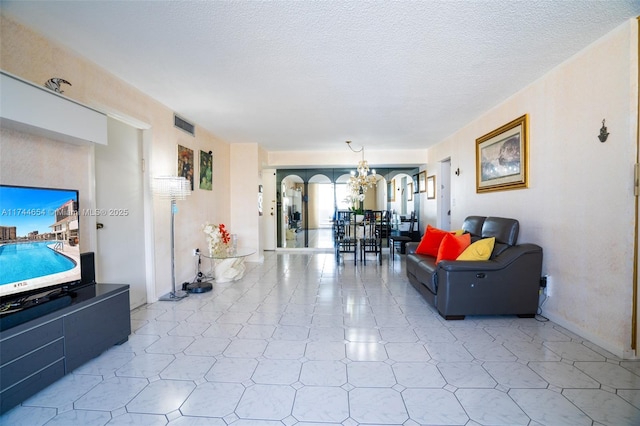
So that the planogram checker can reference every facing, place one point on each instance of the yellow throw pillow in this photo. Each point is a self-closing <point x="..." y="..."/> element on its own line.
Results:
<point x="480" y="250"/>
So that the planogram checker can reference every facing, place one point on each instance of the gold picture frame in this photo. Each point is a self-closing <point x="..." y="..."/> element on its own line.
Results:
<point x="431" y="187"/>
<point x="502" y="157"/>
<point x="422" y="181"/>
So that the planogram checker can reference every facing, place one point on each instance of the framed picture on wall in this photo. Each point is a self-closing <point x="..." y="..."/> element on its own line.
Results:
<point x="206" y="170"/>
<point x="410" y="191"/>
<point x="422" y="181"/>
<point x="185" y="163"/>
<point x="391" y="190"/>
<point x="502" y="159"/>
<point x="431" y="187"/>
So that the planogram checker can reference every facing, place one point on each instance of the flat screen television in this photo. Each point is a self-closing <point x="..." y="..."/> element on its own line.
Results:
<point x="39" y="245"/>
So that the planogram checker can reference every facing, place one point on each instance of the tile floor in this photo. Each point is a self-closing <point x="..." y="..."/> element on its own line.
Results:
<point x="302" y="341"/>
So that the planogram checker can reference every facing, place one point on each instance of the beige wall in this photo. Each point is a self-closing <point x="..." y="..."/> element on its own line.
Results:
<point x="28" y="55"/>
<point x="579" y="205"/>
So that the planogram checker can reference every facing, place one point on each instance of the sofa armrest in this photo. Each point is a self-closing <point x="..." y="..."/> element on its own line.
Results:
<point x="507" y="285"/>
<point x="500" y="262"/>
<point x="411" y="247"/>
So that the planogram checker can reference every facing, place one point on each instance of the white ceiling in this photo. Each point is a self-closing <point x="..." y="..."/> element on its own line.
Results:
<point x="309" y="75"/>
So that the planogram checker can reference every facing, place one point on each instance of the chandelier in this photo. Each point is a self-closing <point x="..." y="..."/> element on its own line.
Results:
<point x="360" y="182"/>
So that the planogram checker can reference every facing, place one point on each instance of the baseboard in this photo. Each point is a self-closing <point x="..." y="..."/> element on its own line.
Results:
<point x="587" y="335"/>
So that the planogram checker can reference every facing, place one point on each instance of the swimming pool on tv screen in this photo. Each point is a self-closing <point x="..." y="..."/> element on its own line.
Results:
<point x="24" y="261"/>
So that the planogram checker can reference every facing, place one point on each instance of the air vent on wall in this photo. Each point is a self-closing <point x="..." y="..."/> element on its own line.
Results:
<point x="183" y="124"/>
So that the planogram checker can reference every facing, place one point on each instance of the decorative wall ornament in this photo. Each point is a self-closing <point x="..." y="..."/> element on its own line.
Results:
<point x="185" y="164"/>
<point x="603" y="133"/>
<point x="206" y="170"/>
<point x="54" y="84"/>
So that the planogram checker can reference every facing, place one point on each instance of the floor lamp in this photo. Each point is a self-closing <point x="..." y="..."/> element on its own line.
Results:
<point x="173" y="188"/>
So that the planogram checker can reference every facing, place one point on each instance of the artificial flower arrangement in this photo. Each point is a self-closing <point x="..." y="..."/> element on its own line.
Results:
<point x="218" y="238"/>
<point x="355" y="200"/>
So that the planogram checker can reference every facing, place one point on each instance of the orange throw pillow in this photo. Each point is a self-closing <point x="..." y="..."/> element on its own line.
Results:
<point x="452" y="246"/>
<point x="430" y="242"/>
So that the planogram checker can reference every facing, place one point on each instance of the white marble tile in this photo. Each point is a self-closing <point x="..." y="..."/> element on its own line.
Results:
<point x="604" y="407"/>
<point x="213" y="400"/>
<point x="267" y="402"/>
<point x="563" y="375"/>
<point x="611" y="375"/>
<point x="531" y="351"/>
<point x="548" y="407"/>
<point x="106" y="363"/>
<point x="514" y="375"/>
<point x="65" y="391"/>
<point x="188" y="368"/>
<point x="435" y="335"/>
<point x="157" y="328"/>
<point x="325" y="351"/>
<point x="632" y="396"/>
<point x="111" y="394"/>
<point x="574" y="351"/>
<point x="360" y="334"/>
<point x="291" y="332"/>
<point x="466" y="375"/>
<point x="161" y="397"/>
<point x="370" y="374"/>
<point x="220" y="330"/>
<point x="418" y="375"/>
<point x="138" y="419"/>
<point x="256" y="331"/>
<point x="434" y="407"/>
<point x="236" y="370"/>
<point x="245" y="348"/>
<point x="489" y="351"/>
<point x="145" y="365"/>
<point x="333" y="408"/>
<point x="136" y="343"/>
<point x="323" y="373"/>
<point x="377" y="406"/>
<point x="407" y="352"/>
<point x="27" y="416"/>
<point x="490" y="406"/>
<point x="207" y="346"/>
<point x="80" y="418"/>
<point x="169" y="345"/>
<point x="189" y="329"/>
<point x="285" y="349"/>
<point x="278" y="372"/>
<point x="448" y="352"/>
<point x="398" y="334"/>
<point x="366" y="351"/>
<point x="327" y="334"/>
<point x="198" y="421"/>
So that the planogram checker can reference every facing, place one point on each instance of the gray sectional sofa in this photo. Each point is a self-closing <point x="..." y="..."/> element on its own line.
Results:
<point x="506" y="284"/>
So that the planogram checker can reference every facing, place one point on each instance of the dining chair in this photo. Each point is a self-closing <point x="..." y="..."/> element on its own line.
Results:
<point x="345" y="239"/>
<point x="371" y="242"/>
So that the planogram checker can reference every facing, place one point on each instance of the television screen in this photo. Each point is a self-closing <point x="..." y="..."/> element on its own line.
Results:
<point x="39" y="239"/>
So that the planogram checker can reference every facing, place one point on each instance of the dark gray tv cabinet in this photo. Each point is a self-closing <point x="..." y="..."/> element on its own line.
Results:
<point x="40" y="351"/>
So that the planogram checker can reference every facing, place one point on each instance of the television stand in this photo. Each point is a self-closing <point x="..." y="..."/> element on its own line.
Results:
<point x="41" y="350"/>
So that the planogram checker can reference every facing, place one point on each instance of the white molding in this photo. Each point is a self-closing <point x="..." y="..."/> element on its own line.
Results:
<point x="40" y="111"/>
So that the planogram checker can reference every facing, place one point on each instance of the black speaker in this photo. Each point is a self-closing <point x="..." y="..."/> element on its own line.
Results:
<point x="88" y="268"/>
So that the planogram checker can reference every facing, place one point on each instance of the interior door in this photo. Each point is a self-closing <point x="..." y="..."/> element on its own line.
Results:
<point x="120" y="255"/>
<point x="444" y="203"/>
<point x="269" y="216"/>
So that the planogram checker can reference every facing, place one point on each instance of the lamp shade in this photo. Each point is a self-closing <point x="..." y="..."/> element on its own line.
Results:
<point x="171" y="187"/>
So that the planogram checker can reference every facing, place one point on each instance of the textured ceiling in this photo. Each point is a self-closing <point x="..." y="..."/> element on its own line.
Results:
<point x="309" y="75"/>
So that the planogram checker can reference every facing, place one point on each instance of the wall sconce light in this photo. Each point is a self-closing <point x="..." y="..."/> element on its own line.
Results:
<point x="457" y="172"/>
<point x="603" y="133"/>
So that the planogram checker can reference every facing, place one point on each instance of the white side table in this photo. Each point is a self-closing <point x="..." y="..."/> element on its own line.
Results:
<point x="230" y="267"/>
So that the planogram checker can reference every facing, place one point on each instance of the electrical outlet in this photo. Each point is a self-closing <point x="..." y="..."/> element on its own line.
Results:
<point x="196" y="252"/>
<point x="549" y="287"/>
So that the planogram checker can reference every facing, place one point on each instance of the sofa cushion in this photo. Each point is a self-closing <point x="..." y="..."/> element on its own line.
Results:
<point x="431" y="240"/>
<point x="451" y="247"/>
<point x="480" y="250"/>
<point x="473" y="225"/>
<point x="505" y="230"/>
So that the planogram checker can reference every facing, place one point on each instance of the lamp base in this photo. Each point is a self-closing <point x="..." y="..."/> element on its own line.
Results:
<point x="174" y="296"/>
<point x="199" y="287"/>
